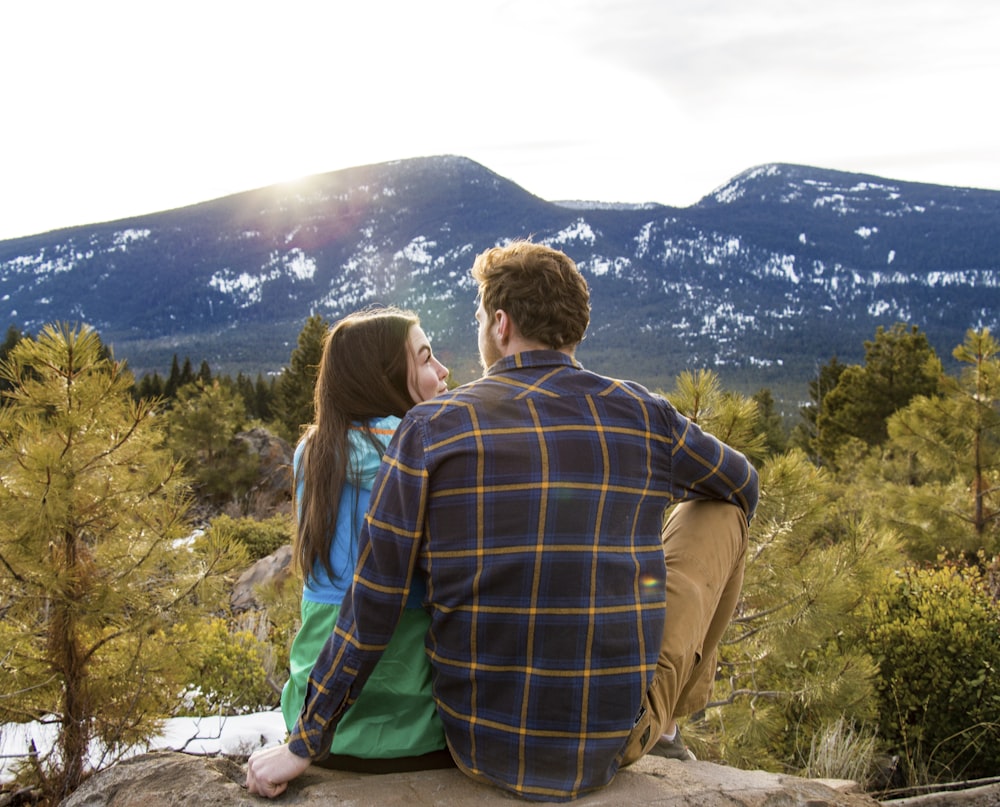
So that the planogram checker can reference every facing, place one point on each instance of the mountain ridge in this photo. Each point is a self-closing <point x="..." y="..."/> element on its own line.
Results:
<point x="763" y="279"/>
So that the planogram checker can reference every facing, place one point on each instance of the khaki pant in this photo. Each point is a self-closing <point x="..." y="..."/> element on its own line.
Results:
<point x="704" y="546"/>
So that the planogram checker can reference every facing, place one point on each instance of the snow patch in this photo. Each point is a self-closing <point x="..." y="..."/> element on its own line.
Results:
<point x="123" y="238"/>
<point x="598" y="266"/>
<point x="417" y="251"/>
<point x="237" y="735"/>
<point x="299" y="266"/>
<point x="836" y="201"/>
<point x="247" y="289"/>
<point x="642" y="240"/>
<point x="578" y="231"/>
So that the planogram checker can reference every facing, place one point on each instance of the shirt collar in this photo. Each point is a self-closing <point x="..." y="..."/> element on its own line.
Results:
<point x="533" y="358"/>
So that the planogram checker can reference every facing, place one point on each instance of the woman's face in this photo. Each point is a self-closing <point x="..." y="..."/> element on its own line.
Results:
<point x="426" y="375"/>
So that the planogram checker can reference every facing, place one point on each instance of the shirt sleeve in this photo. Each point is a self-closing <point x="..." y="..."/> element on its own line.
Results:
<point x="703" y="467"/>
<point x="388" y="547"/>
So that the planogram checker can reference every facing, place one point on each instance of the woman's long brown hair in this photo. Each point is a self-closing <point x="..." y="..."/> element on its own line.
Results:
<point x="363" y="374"/>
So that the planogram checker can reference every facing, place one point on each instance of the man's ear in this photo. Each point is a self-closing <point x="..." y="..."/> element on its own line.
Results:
<point x="503" y="325"/>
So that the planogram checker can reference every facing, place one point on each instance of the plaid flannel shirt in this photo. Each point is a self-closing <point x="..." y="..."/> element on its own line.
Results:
<point x="531" y="502"/>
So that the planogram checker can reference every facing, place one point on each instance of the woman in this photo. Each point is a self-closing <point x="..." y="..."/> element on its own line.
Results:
<point x="376" y="364"/>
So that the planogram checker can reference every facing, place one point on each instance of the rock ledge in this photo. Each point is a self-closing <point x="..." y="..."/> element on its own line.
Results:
<point x="171" y="779"/>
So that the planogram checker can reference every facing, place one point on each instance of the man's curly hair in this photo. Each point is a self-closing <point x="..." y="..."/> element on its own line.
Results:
<point x="541" y="290"/>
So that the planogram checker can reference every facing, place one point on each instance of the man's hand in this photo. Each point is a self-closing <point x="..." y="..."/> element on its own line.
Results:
<point x="269" y="770"/>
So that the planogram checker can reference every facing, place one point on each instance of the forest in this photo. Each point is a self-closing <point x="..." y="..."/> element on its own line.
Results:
<point x="866" y="644"/>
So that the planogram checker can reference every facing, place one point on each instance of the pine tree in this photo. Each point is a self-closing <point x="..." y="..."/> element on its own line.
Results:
<point x="899" y="365"/>
<point x="263" y="402"/>
<point x="94" y="576"/>
<point x="204" y="373"/>
<point x="804" y="433"/>
<point x="244" y="387"/>
<point x="150" y="386"/>
<point x="941" y="469"/>
<point x="201" y="428"/>
<point x="296" y="387"/>
<point x="734" y="419"/>
<point x="788" y="669"/>
<point x="785" y="671"/>
<point x="13" y="337"/>
<point x="187" y="375"/>
<point x="771" y="421"/>
<point x="173" y="380"/>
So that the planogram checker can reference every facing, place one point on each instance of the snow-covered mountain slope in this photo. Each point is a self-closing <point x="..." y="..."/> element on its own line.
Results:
<point x="764" y="279"/>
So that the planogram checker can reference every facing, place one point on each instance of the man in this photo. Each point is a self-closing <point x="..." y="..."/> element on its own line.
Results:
<point x="567" y="632"/>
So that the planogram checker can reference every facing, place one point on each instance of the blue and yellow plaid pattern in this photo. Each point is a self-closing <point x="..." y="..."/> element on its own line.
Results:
<point x="531" y="502"/>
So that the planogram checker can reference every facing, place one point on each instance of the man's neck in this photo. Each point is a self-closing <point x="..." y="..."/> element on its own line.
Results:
<point x="519" y="345"/>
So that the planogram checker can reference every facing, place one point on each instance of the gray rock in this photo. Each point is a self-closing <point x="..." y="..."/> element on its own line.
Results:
<point x="273" y="490"/>
<point x="170" y="779"/>
<point x="275" y="569"/>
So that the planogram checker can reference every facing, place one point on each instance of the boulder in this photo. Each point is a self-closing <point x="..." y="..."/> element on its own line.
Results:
<point x="275" y="568"/>
<point x="171" y="779"/>
<point x="273" y="490"/>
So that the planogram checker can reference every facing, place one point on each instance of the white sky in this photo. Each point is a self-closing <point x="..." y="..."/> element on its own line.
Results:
<point x="114" y="108"/>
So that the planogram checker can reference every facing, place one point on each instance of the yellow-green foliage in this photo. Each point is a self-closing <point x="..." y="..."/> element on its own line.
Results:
<point x="280" y="619"/>
<point x="230" y="669"/>
<point x="788" y="669"/>
<point x="95" y="565"/>
<point x="936" y="636"/>
<point x="260" y="538"/>
<point x="732" y="418"/>
<point x="940" y="471"/>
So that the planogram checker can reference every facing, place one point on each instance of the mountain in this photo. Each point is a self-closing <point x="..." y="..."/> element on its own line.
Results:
<point x="764" y="279"/>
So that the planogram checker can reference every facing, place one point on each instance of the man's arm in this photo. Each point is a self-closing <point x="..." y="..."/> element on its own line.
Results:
<point x="703" y="467"/>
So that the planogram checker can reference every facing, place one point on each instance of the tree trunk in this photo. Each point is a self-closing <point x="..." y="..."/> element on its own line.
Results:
<point x="74" y="732"/>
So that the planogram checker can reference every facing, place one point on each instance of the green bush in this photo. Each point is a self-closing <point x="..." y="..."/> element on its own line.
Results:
<point x="260" y="538"/>
<point x="231" y="670"/>
<point x="935" y="633"/>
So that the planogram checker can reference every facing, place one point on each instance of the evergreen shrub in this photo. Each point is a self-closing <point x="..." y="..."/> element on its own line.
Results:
<point x="260" y="537"/>
<point x="230" y="673"/>
<point x="935" y="633"/>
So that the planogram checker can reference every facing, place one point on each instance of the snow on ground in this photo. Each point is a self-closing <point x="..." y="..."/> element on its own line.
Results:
<point x="237" y="735"/>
